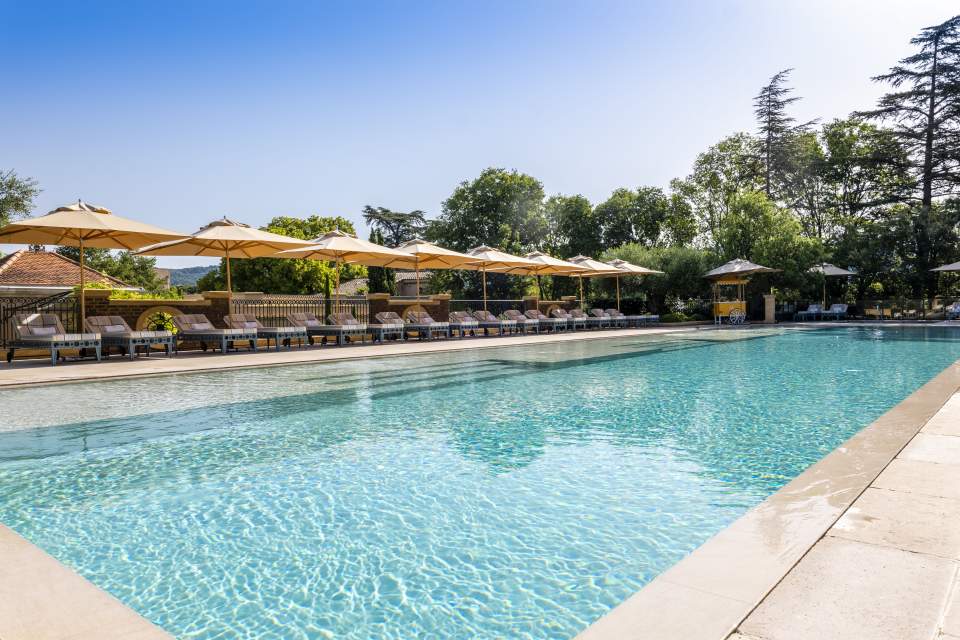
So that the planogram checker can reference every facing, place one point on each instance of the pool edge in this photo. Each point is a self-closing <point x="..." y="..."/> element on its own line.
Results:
<point x="710" y="592"/>
<point x="43" y="599"/>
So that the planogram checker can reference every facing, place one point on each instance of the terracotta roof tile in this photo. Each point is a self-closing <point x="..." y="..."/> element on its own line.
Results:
<point x="25" y="268"/>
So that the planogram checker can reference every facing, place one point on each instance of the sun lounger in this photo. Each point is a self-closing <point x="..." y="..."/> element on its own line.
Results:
<point x="44" y="331"/>
<point x="394" y="321"/>
<point x="591" y="320"/>
<point x="546" y="322"/>
<point x="279" y="335"/>
<point x="115" y="332"/>
<point x="572" y="322"/>
<point x="953" y="311"/>
<point x="623" y="320"/>
<point x="836" y="311"/>
<point x="524" y="323"/>
<point x="606" y="319"/>
<point x="425" y="326"/>
<point x="388" y="326"/>
<point x="461" y="322"/>
<point x="489" y="321"/>
<point x="343" y="326"/>
<point x="196" y="328"/>
<point x="648" y="318"/>
<point x="812" y="312"/>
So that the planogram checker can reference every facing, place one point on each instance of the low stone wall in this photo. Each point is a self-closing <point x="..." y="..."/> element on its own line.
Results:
<point x="546" y="306"/>
<point x="437" y="305"/>
<point x="213" y="304"/>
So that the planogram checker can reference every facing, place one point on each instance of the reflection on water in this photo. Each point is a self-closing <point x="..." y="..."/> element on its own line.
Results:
<point x="516" y="492"/>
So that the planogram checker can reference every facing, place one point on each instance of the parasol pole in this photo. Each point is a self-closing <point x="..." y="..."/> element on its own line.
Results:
<point x="229" y="283"/>
<point x="484" y="286"/>
<point x="83" y="288"/>
<point x="416" y="267"/>
<point x="336" y="289"/>
<point x="618" y="292"/>
<point x="581" y="291"/>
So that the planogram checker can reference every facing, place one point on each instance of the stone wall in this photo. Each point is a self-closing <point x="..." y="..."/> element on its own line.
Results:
<point x="546" y="306"/>
<point x="437" y="305"/>
<point x="213" y="304"/>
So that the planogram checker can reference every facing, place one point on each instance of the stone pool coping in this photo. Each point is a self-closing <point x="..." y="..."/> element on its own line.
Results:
<point x="721" y="589"/>
<point x="41" y="599"/>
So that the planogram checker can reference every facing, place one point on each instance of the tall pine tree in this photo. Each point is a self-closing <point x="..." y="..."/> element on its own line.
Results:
<point x="775" y="126"/>
<point x="924" y="109"/>
<point x="379" y="279"/>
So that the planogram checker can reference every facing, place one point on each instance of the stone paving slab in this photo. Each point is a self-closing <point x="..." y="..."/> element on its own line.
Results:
<point x="846" y="590"/>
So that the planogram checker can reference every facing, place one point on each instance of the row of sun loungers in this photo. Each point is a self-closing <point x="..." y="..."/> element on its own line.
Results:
<point x="101" y="333"/>
<point x="817" y="312"/>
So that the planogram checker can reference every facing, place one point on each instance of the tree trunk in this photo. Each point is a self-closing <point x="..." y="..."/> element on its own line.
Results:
<point x="922" y="222"/>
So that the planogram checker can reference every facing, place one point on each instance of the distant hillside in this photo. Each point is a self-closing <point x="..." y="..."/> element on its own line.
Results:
<point x="188" y="276"/>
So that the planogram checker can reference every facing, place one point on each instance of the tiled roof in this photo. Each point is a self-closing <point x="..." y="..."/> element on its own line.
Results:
<point x="352" y="287"/>
<point x="25" y="268"/>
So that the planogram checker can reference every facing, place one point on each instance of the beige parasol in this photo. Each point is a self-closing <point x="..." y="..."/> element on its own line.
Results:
<point x="591" y="268"/>
<point x="948" y="267"/>
<point x="487" y="258"/>
<point x="426" y="255"/>
<point x="339" y="247"/>
<point x="827" y="270"/>
<point x="84" y="225"/>
<point x="630" y="269"/>
<point x="227" y="239"/>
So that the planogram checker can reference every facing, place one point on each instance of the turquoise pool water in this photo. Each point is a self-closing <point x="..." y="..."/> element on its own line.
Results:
<point x="518" y="492"/>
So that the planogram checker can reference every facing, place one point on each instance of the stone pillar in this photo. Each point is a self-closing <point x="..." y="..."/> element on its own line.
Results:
<point x="219" y="306"/>
<point x="769" y="309"/>
<point x="98" y="303"/>
<point x="377" y="302"/>
<point x="440" y="312"/>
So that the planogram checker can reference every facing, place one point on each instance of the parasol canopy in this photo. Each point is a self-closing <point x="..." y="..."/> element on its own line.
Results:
<point x="948" y="267"/>
<point x="427" y="255"/>
<point x="227" y="239"/>
<point x="630" y="269"/>
<point x="84" y="225"/>
<point x="738" y="267"/>
<point x="487" y="258"/>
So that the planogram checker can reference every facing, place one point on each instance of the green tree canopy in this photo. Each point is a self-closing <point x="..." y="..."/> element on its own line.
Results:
<point x="633" y="216"/>
<point x="683" y="269"/>
<point x="573" y="227"/>
<point x="500" y="208"/>
<point x="282" y="275"/>
<point x="16" y="196"/>
<point x="395" y="227"/>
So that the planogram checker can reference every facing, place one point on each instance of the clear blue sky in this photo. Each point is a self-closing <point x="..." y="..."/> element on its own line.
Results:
<point x="178" y="112"/>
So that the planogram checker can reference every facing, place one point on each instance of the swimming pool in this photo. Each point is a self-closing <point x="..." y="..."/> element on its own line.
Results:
<point x="514" y="492"/>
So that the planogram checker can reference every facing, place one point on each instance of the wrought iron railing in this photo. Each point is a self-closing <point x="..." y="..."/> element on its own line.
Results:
<point x="272" y="310"/>
<point x="64" y="304"/>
